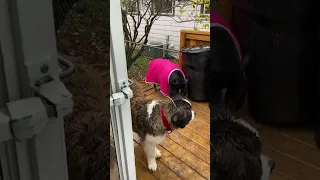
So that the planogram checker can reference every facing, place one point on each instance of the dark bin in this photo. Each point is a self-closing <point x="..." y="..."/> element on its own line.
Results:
<point x="281" y="76"/>
<point x="280" y="14"/>
<point x="195" y="66"/>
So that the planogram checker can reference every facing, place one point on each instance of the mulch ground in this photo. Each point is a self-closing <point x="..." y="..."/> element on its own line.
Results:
<point x="85" y="35"/>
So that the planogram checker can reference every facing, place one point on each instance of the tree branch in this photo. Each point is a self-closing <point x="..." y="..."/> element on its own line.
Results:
<point x="148" y="11"/>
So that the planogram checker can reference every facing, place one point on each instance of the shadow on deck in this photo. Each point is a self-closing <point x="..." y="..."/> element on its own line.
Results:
<point x="186" y="152"/>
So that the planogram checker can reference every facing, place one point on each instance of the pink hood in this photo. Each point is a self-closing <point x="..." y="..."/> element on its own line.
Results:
<point x="159" y="72"/>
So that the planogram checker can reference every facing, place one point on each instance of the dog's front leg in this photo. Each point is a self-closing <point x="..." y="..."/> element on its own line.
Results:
<point x="150" y="150"/>
<point x="158" y="153"/>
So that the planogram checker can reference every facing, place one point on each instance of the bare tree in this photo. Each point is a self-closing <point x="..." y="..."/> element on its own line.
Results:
<point x="138" y="14"/>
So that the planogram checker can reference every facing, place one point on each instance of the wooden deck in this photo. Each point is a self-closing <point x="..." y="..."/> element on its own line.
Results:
<point x="293" y="150"/>
<point x="186" y="152"/>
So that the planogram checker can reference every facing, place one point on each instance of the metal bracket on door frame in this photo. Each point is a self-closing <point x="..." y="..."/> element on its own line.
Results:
<point x="116" y="99"/>
<point x="25" y="118"/>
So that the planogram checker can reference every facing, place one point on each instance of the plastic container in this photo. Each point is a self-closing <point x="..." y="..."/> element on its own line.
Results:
<point x="281" y="76"/>
<point x="195" y="66"/>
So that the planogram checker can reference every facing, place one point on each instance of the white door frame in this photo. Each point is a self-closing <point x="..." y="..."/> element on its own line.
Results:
<point x="121" y="112"/>
<point x="36" y="149"/>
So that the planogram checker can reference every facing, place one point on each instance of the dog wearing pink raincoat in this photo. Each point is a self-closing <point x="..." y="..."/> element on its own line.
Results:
<point x="169" y="76"/>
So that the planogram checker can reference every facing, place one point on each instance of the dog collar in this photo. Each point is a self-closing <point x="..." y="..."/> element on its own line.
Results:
<point x="165" y="120"/>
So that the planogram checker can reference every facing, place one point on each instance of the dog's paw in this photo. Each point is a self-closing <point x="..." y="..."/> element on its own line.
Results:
<point x="152" y="166"/>
<point x="158" y="153"/>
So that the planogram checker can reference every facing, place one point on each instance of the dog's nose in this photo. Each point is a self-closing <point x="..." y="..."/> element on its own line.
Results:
<point x="271" y="164"/>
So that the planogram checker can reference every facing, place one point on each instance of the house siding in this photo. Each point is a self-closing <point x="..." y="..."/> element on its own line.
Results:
<point x="171" y="26"/>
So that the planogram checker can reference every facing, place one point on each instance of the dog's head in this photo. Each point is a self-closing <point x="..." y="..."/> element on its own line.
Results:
<point x="236" y="149"/>
<point x="182" y="113"/>
<point x="177" y="86"/>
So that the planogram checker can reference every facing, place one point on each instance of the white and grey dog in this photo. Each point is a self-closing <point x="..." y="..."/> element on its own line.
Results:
<point x="152" y="120"/>
<point x="236" y="148"/>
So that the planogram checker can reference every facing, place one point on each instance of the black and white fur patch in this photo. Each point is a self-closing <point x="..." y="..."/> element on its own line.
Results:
<point x="236" y="149"/>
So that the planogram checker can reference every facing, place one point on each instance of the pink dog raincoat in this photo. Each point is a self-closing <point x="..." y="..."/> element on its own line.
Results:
<point x="159" y="72"/>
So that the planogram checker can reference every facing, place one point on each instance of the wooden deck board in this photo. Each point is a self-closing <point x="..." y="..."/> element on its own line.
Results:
<point x="169" y="165"/>
<point x="304" y="136"/>
<point x="163" y="172"/>
<point x="181" y="168"/>
<point x="192" y="144"/>
<point x="188" y="157"/>
<point x="291" y="148"/>
<point x="142" y="172"/>
<point x="186" y="152"/>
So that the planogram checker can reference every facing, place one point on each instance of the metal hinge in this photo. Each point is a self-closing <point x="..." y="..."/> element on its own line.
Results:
<point x="125" y="93"/>
<point x="25" y="118"/>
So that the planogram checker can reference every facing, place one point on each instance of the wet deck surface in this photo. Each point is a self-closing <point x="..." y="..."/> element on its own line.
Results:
<point x="293" y="150"/>
<point x="186" y="152"/>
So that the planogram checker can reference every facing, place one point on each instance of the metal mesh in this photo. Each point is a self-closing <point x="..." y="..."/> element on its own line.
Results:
<point x="82" y="29"/>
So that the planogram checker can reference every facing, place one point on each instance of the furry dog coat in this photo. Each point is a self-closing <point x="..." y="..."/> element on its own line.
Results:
<point x="159" y="72"/>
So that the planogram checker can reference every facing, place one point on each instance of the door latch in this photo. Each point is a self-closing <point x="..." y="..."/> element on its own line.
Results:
<point x="117" y="99"/>
<point x="25" y="118"/>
